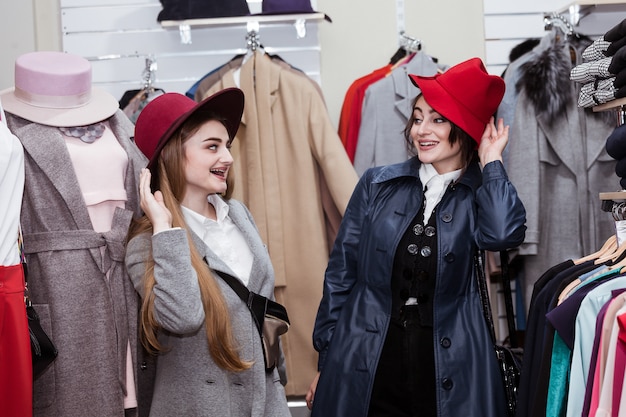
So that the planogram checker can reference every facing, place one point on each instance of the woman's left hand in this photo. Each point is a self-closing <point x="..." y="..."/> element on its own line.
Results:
<point x="493" y="142"/>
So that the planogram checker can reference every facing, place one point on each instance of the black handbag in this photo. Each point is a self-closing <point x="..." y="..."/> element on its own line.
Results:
<point x="43" y="351"/>
<point x="509" y="357"/>
<point x="269" y="316"/>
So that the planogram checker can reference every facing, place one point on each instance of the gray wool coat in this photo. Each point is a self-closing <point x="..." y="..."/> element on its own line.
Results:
<point x="387" y="106"/>
<point x="90" y="318"/>
<point x="188" y="382"/>
<point x="558" y="163"/>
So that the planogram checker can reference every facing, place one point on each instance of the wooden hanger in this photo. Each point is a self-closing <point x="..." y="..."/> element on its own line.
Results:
<point x="613" y="256"/>
<point x="608" y="248"/>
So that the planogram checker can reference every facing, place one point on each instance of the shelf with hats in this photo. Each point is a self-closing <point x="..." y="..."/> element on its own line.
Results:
<point x="298" y="19"/>
<point x="617" y="104"/>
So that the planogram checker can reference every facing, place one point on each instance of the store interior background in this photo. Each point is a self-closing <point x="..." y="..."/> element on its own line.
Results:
<point x="362" y="36"/>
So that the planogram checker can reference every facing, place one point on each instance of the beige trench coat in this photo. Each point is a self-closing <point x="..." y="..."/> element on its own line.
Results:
<point x="292" y="172"/>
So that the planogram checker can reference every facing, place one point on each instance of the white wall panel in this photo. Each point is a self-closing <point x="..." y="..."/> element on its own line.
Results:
<point x="510" y="22"/>
<point x="517" y="26"/>
<point x="117" y="36"/>
<point x="526" y="6"/>
<point x="110" y="18"/>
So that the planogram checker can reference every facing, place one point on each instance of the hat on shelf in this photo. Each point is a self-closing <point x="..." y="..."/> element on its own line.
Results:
<point x="271" y="7"/>
<point x="163" y="115"/>
<point x="54" y="89"/>
<point x="465" y="94"/>
<point x="201" y="9"/>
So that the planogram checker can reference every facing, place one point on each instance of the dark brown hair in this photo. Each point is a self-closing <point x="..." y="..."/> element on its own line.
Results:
<point x="468" y="145"/>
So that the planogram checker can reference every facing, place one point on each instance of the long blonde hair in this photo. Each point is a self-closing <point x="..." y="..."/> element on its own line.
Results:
<point x="170" y="180"/>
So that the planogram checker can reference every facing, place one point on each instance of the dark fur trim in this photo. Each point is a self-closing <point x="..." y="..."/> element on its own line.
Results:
<point x="545" y="79"/>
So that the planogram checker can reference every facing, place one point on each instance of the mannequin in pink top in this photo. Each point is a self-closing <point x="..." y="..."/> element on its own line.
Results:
<point x="79" y="198"/>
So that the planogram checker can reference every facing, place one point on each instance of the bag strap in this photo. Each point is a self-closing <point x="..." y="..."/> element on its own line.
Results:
<point x="256" y="303"/>
<point x="508" y="298"/>
<point x="241" y="290"/>
<point x="20" y="246"/>
<point x="479" y="265"/>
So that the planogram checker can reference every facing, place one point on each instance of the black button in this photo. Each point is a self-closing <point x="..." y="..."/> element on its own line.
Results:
<point x="429" y="231"/>
<point x="418" y="229"/>
<point x="412" y="248"/>
<point x="445" y="342"/>
<point x="447" y="384"/>
<point x="422" y="276"/>
<point x="447" y="217"/>
<point x="143" y="366"/>
<point x="407" y="274"/>
<point x="449" y="257"/>
<point x="426" y="251"/>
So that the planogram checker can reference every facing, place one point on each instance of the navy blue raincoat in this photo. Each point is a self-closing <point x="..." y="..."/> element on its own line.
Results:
<point x="480" y="210"/>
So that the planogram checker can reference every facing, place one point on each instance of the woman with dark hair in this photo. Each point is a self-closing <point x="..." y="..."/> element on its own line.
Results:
<point x="400" y="329"/>
<point x="210" y="358"/>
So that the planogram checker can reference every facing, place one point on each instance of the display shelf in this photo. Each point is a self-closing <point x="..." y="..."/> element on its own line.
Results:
<point x="217" y="21"/>
<point x="253" y="22"/>
<point x="616" y="104"/>
<point x="579" y="9"/>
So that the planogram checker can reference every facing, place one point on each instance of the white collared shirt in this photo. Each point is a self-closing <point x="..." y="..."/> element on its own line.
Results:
<point x="223" y="237"/>
<point x="435" y="186"/>
<point x="11" y="193"/>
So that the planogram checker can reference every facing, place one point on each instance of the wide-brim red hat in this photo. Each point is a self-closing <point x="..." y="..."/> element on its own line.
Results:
<point x="163" y="115"/>
<point x="465" y="94"/>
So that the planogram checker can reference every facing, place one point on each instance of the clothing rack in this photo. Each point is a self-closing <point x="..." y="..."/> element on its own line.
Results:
<point x="409" y="43"/>
<point x="148" y="73"/>
<point x="618" y="105"/>
<point x="252" y="36"/>
<point x="558" y="21"/>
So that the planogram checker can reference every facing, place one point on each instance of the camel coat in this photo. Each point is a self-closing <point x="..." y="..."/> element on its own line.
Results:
<point x="293" y="173"/>
<point x="90" y="318"/>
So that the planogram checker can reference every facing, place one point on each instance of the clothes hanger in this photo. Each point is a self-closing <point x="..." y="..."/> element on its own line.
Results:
<point x="408" y="45"/>
<point x="618" y="211"/>
<point x="608" y="248"/>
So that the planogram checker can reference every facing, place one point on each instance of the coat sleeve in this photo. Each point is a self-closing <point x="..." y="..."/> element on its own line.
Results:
<point x="341" y="273"/>
<point x="523" y="165"/>
<point x="501" y="215"/>
<point x="364" y="155"/>
<point x="177" y="303"/>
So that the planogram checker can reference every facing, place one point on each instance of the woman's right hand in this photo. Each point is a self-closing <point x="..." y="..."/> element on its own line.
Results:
<point x="310" y="395"/>
<point x="153" y="205"/>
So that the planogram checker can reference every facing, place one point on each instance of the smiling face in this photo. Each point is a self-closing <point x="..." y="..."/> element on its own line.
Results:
<point x="430" y="133"/>
<point x="207" y="161"/>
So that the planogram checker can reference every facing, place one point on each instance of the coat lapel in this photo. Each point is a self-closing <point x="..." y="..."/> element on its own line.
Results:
<point x="405" y="91"/>
<point x="46" y="146"/>
<point x="259" y="268"/>
<point x="559" y="136"/>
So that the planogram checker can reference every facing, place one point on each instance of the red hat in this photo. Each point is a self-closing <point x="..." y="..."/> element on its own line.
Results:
<point x="163" y="115"/>
<point x="465" y="94"/>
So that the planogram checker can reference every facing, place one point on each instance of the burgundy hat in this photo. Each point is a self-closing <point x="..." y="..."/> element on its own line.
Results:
<point x="166" y="113"/>
<point x="465" y="94"/>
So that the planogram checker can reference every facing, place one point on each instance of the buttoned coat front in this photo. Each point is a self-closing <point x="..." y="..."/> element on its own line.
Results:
<point x="188" y="382"/>
<point x="354" y="314"/>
